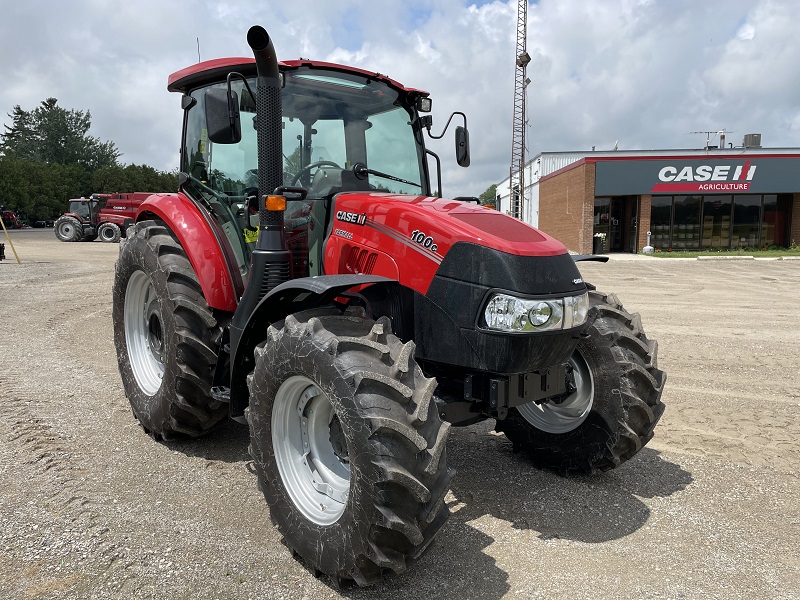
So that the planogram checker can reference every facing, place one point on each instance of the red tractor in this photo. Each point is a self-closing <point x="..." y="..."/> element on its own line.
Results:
<point x="11" y="219"/>
<point x="106" y="216"/>
<point x="304" y="281"/>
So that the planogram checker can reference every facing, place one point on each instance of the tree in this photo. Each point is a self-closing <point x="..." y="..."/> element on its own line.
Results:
<point x="55" y="135"/>
<point x="39" y="189"/>
<point x="490" y="195"/>
<point x="133" y="178"/>
<point x="47" y="157"/>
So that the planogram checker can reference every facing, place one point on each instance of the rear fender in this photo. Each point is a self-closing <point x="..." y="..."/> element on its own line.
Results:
<point x="201" y="244"/>
<point x="283" y="300"/>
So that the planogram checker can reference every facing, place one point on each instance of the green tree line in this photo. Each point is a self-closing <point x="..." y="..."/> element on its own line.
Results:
<point x="47" y="157"/>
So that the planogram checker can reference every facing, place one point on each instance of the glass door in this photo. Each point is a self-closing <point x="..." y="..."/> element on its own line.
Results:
<point x="622" y="228"/>
<point x="717" y="221"/>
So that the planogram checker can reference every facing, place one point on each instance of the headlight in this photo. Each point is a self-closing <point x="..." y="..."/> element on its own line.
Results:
<point x="508" y="313"/>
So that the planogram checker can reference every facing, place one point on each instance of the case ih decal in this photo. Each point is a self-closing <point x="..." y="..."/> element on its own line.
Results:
<point x="349" y="217"/>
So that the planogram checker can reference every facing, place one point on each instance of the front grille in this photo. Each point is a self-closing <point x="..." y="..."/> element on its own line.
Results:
<point x="360" y="260"/>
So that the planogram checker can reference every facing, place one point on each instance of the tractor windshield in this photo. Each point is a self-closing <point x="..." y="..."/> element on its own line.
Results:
<point x="331" y="121"/>
<point x="80" y="208"/>
<point x="86" y="209"/>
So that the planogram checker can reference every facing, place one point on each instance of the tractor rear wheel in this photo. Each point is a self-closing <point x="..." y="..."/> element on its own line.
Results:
<point x="615" y="404"/>
<point x="166" y="336"/>
<point x="109" y="232"/>
<point x="347" y="443"/>
<point x="68" y="229"/>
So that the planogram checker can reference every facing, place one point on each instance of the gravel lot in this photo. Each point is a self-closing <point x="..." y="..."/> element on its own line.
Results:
<point x="93" y="508"/>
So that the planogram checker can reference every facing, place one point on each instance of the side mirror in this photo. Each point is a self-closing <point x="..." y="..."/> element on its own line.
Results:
<point x="222" y="116"/>
<point x="462" y="146"/>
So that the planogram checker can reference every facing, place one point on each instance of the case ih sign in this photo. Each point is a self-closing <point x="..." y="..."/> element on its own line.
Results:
<point x="705" y="178"/>
<point x="697" y="176"/>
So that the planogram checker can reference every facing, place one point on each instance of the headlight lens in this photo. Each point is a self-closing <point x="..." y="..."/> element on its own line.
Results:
<point x="508" y="313"/>
<point x="540" y="314"/>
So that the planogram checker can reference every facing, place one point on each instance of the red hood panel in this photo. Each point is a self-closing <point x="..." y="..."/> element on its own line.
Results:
<point x="452" y="221"/>
<point x="415" y="233"/>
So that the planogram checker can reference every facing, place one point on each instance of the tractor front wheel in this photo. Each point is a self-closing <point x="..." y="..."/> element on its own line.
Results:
<point x="614" y="405"/>
<point x="68" y="229"/>
<point x="347" y="443"/>
<point x="166" y="336"/>
<point x="109" y="232"/>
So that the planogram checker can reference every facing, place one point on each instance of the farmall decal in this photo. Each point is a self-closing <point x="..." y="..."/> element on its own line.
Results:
<point x="705" y="178"/>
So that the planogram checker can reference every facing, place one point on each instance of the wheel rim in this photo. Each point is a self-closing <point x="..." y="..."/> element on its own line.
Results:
<point x="65" y="229"/>
<point x="315" y="474"/>
<point x="569" y="414"/>
<point x="144" y="333"/>
<point x="106" y="233"/>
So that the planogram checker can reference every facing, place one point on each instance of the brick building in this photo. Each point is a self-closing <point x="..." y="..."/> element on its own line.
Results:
<point x="713" y="198"/>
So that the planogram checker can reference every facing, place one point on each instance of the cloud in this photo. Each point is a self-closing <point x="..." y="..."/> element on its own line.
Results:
<point x="642" y="72"/>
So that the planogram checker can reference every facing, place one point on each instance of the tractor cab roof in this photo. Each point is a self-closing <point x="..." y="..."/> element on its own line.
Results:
<point x="211" y="71"/>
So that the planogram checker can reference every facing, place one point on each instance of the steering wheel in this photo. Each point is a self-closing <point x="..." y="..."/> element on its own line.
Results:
<point x="315" y="165"/>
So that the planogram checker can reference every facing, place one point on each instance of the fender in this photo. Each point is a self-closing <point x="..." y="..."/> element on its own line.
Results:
<point x="116" y="219"/>
<point x="201" y="243"/>
<point x="285" y="299"/>
<point x="81" y="220"/>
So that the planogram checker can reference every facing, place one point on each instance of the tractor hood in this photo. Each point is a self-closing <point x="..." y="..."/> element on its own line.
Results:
<point x="385" y="231"/>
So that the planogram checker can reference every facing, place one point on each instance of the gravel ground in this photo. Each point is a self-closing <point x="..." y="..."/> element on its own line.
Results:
<point x="93" y="508"/>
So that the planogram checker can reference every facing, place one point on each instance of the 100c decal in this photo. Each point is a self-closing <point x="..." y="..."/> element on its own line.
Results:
<point x="423" y="240"/>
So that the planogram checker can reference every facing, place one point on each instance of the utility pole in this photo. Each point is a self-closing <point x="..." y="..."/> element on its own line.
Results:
<point x="522" y="58"/>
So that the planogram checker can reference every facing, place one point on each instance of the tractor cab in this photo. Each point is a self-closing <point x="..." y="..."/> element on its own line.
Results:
<point x="87" y="209"/>
<point x="342" y="130"/>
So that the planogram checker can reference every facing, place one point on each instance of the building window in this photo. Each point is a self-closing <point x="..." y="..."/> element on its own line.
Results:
<point x="661" y="222"/>
<point x="686" y="230"/>
<point x="775" y="226"/>
<point x="720" y="222"/>
<point x="746" y="221"/>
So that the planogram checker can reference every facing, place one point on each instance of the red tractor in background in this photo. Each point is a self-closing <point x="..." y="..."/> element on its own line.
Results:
<point x="304" y="281"/>
<point x="106" y="216"/>
<point x="11" y="219"/>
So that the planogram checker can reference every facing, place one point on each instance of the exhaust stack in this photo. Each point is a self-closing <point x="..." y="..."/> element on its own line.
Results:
<point x="268" y="125"/>
<point x="270" y="260"/>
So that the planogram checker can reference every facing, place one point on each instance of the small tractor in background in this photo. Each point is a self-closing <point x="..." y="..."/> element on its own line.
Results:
<point x="305" y="281"/>
<point x="106" y="216"/>
<point x="11" y="219"/>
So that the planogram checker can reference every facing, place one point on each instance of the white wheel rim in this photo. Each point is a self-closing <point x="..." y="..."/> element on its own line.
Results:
<point x="144" y="333"/>
<point x="316" y="479"/>
<point x="569" y="414"/>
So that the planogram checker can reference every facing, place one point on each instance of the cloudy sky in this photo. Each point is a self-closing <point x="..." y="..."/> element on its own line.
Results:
<point x="640" y="73"/>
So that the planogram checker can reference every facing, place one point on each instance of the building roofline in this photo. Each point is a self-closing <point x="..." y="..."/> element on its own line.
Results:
<point x="660" y="152"/>
<point x="593" y="156"/>
<point x="681" y="154"/>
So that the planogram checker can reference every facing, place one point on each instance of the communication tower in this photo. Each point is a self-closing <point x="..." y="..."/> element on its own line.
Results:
<point x="517" y="172"/>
